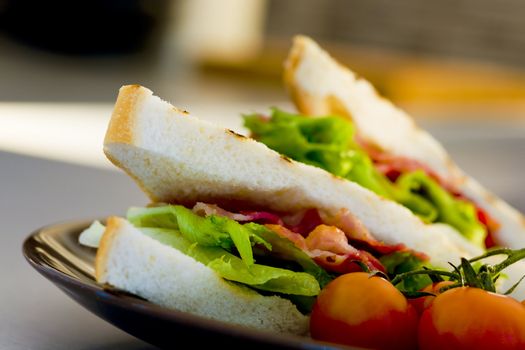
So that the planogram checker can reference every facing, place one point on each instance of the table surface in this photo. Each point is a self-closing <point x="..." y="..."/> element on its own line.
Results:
<point x="35" y="192"/>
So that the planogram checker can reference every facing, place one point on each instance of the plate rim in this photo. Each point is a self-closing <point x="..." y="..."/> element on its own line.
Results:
<point x="118" y="298"/>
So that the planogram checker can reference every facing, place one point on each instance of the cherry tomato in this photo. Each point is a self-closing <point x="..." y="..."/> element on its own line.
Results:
<point x="359" y="310"/>
<point x="422" y="303"/>
<point x="471" y="318"/>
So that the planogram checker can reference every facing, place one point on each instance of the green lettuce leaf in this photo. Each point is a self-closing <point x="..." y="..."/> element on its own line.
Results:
<point x="161" y="216"/>
<point x="401" y="262"/>
<point x="211" y="231"/>
<point x="328" y="142"/>
<point x="266" y="277"/>
<point x="321" y="142"/>
<point x="232" y="268"/>
<point x="283" y="248"/>
<point x="216" y="231"/>
<point x="450" y="210"/>
<point x="325" y="142"/>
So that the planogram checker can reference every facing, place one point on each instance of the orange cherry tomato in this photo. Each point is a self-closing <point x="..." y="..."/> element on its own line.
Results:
<point x="471" y="318"/>
<point x="359" y="310"/>
<point x="422" y="303"/>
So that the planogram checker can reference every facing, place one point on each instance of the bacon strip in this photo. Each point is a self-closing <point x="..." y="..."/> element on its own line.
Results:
<point x="205" y="209"/>
<point x="491" y="225"/>
<point x="393" y="166"/>
<point x="261" y="217"/>
<point x="361" y="238"/>
<point x="349" y="224"/>
<point x="329" y="248"/>
<point x="303" y="222"/>
<point x="295" y="237"/>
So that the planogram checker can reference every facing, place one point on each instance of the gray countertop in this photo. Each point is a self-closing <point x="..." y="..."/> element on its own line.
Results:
<point x="33" y="193"/>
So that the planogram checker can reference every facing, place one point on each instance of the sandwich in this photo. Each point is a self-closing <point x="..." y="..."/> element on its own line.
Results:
<point x="242" y="231"/>
<point x="321" y="86"/>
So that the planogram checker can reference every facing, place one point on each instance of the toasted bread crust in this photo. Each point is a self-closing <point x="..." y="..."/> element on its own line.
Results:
<point x="112" y="227"/>
<point x="304" y="102"/>
<point x="120" y="127"/>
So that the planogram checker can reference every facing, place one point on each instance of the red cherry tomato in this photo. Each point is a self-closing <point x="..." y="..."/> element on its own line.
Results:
<point x="359" y="310"/>
<point x="471" y="318"/>
<point x="422" y="303"/>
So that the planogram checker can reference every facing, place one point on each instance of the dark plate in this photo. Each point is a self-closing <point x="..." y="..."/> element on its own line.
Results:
<point x="54" y="251"/>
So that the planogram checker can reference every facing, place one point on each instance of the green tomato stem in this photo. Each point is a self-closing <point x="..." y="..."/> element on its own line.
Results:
<point x="513" y="256"/>
<point x="401" y="276"/>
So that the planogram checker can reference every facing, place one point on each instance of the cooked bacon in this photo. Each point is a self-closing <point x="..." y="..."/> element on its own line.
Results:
<point x="349" y="224"/>
<point x="338" y="243"/>
<point x="392" y="166"/>
<point x="261" y="217"/>
<point x="205" y="209"/>
<point x="329" y="247"/>
<point x="491" y="225"/>
<point x="386" y="162"/>
<point x="348" y="262"/>
<point x="329" y="238"/>
<point x="295" y="237"/>
<point x="360" y="237"/>
<point x="303" y="222"/>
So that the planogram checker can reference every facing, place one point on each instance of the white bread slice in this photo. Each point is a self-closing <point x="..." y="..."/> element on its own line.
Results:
<point x="319" y="85"/>
<point x="130" y="260"/>
<point x="177" y="158"/>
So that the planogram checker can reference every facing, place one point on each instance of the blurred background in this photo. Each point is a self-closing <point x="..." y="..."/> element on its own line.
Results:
<point x="457" y="66"/>
<point x="453" y="51"/>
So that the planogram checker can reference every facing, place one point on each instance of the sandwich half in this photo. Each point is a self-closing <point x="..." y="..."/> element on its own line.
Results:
<point x="176" y="158"/>
<point x="150" y="263"/>
<point x="320" y="86"/>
